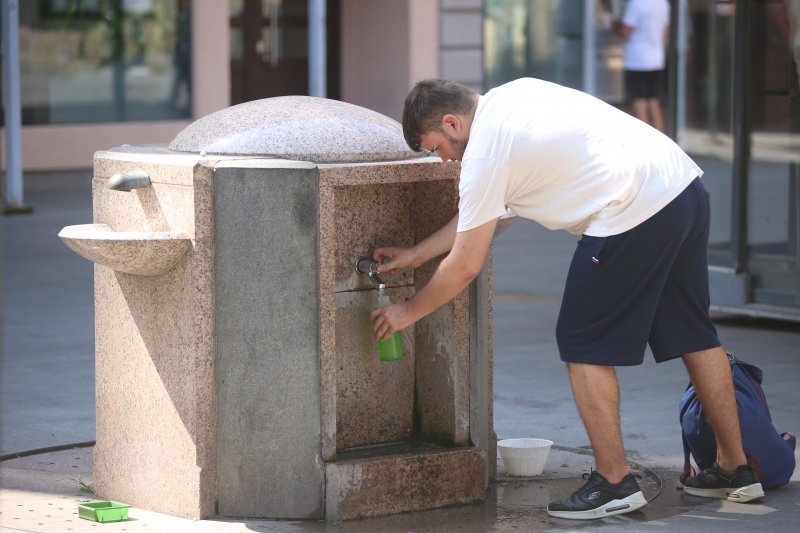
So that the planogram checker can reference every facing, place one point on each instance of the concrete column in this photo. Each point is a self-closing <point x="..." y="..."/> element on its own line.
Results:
<point x="461" y="42"/>
<point x="12" y="104"/>
<point x="317" y="79"/>
<point x="267" y="342"/>
<point x="210" y="54"/>
<point x="589" y="48"/>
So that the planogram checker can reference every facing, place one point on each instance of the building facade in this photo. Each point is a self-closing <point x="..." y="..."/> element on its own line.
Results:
<point x="731" y="93"/>
<point x="101" y="73"/>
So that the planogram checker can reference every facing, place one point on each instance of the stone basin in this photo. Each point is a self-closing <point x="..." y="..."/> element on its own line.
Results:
<point x="144" y="253"/>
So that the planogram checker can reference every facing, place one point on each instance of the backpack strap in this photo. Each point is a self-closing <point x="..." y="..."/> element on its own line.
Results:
<point x="688" y="469"/>
<point x="754" y="373"/>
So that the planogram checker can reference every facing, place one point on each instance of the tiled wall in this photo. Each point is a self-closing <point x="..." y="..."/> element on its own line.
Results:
<point x="461" y="42"/>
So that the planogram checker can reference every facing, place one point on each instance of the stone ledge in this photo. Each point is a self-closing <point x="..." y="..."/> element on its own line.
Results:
<point x="382" y="484"/>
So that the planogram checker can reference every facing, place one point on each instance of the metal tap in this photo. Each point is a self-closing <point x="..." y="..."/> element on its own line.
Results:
<point x="135" y="179"/>
<point x="365" y="265"/>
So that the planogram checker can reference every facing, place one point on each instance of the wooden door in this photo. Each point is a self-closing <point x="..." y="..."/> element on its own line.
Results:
<point x="269" y="48"/>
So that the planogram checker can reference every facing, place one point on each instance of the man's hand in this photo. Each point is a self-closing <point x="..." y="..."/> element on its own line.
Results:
<point x="434" y="245"/>
<point x="392" y="259"/>
<point x="388" y="319"/>
<point x="453" y="274"/>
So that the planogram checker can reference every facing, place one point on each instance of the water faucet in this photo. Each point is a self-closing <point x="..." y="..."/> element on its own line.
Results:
<point x="136" y="179"/>
<point x="365" y="265"/>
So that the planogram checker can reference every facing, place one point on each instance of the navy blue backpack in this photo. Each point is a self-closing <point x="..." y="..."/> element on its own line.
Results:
<point x="770" y="452"/>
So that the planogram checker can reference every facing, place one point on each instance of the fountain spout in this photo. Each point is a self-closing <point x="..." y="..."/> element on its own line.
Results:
<point x="364" y="265"/>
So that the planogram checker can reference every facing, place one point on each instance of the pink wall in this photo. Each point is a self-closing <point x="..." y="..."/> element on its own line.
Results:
<point x="387" y="45"/>
<point x="73" y="146"/>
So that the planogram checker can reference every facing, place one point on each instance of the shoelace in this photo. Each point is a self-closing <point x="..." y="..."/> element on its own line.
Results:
<point x="588" y="475"/>
<point x="661" y="483"/>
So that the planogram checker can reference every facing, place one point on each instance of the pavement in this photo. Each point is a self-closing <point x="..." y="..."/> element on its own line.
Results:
<point x="47" y="397"/>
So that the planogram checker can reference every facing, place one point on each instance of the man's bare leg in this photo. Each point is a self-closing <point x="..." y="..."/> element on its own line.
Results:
<point x="596" y="394"/>
<point x="640" y="109"/>
<point x="710" y="373"/>
<point x="656" y="116"/>
<point x="648" y="110"/>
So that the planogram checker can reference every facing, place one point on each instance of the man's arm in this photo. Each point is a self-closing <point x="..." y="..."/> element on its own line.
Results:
<point x="434" y="245"/>
<point x="621" y="30"/>
<point x="455" y="272"/>
<point x="623" y="27"/>
<point x="439" y="242"/>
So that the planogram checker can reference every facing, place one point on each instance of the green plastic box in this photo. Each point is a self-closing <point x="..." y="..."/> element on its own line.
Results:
<point x="105" y="511"/>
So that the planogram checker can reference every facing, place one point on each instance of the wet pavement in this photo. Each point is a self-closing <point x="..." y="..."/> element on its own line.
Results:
<point x="41" y="493"/>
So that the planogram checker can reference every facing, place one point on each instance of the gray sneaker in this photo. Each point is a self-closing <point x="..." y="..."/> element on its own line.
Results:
<point x="741" y="485"/>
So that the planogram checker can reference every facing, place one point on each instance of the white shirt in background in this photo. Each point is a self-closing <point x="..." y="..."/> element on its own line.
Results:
<point x="644" y="47"/>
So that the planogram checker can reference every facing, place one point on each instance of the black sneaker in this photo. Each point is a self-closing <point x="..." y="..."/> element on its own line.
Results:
<point x="741" y="485"/>
<point x="599" y="498"/>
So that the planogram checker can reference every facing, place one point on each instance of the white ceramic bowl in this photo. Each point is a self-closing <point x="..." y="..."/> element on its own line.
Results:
<point x="524" y="457"/>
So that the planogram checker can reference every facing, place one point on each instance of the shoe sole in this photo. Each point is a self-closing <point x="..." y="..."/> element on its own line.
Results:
<point x="739" y="495"/>
<point x="614" y="507"/>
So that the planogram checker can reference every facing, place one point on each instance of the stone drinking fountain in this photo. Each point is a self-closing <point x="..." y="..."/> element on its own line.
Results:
<point x="236" y="374"/>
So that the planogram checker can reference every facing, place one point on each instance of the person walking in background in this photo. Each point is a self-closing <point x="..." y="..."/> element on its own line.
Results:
<point x="644" y="27"/>
<point x="639" y="276"/>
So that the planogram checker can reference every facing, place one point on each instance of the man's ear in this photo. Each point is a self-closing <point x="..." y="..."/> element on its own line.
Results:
<point x="451" y="123"/>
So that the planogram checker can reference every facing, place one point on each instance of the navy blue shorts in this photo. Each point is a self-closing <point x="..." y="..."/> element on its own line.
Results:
<point x="646" y="285"/>
<point x="642" y="84"/>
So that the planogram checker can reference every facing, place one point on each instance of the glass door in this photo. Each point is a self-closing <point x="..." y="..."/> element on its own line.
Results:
<point x="737" y="113"/>
<point x="705" y="108"/>
<point x="569" y="42"/>
<point x="269" y="48"/>
<point x="773" y="194"/>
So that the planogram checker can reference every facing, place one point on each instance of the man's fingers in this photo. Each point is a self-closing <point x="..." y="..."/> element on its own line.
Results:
<point x="386" y="268"/>
<point x="381" y="254"/>
<point x="381" y="328"/>
<point x="379" y="325"/>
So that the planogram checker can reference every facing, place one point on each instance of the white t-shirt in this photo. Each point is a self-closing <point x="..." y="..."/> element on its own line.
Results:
<point x="566" y="160"/>
<point x="644" y="47"/>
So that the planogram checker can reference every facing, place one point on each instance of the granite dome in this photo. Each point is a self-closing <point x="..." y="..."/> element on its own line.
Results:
<point x="302" y="128"/>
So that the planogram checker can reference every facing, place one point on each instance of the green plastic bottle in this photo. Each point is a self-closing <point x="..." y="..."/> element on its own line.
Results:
<point x="392" y="349"/>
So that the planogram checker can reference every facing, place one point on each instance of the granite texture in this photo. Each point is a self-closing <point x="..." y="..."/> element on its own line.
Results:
<point x="443" y="337"/>
<point x="368" y="216"/>
<point x="144" y="253"/>
<point x="303" y="128"/>
<point x="374" y="398"/>
<point x="481" y="360"/>
<point x="267" y="340"/>
<point x="202" y="335"/>
<point x="390" y="172"/>
<point x="327" y="326"/>
<point x="161" y="165"/>
<point x="154" y="358"/>
<point x="424" y="479"/>
<point x="249" y="365"/>
<point x="394" y="209"/>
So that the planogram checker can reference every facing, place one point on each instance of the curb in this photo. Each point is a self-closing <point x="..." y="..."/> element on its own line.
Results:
<point x="49" y="449"/>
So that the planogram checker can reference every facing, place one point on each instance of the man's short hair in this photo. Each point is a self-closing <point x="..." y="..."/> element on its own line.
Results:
<point x="428" y="102"/>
